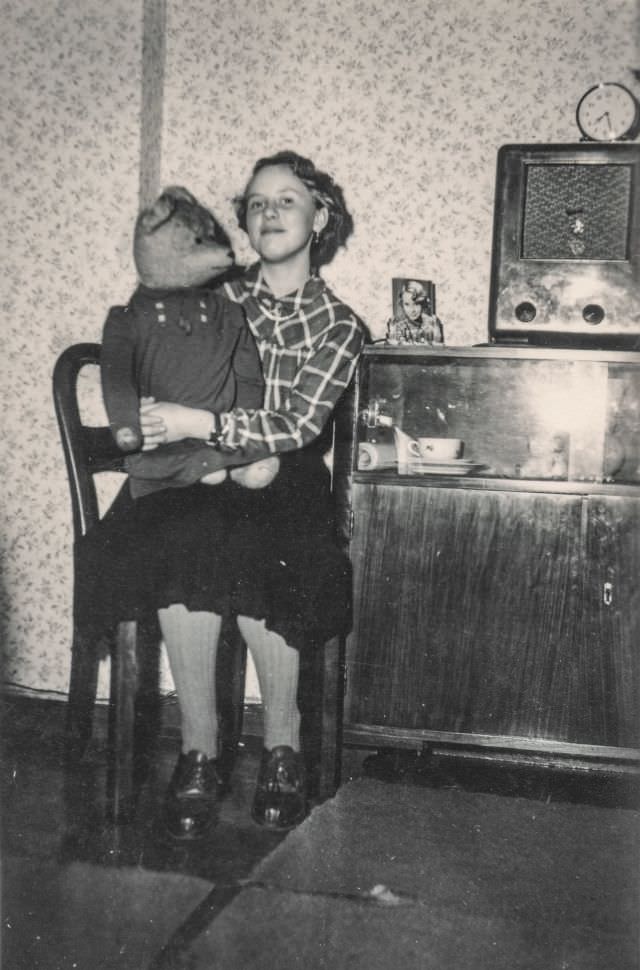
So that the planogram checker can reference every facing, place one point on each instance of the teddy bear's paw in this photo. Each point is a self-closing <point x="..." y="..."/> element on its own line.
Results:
<point x="214" y="478"/>
<point x="128" y="439"/>
<point x="258" y="475"/>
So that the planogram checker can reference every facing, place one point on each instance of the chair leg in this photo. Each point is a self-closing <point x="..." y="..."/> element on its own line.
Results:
<point x="230" y="688"/>
<point x="321" y="703"/>
<point x="121" y="750"/>
<point x="331" y="663"/>
<point x="148" y="702"/>
<point x="82" y="695"/>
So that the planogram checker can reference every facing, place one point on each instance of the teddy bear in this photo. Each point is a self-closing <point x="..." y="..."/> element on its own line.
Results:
<point x="180" y="340"/>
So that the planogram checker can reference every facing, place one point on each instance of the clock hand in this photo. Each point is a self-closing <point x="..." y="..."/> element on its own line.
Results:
<point x="606" y="115"/>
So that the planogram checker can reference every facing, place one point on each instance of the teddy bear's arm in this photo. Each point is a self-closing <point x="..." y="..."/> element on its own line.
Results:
<point x="117" y="376"/>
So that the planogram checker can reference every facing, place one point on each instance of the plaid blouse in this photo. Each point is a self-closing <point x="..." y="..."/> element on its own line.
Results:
<point x="309" y="343"/>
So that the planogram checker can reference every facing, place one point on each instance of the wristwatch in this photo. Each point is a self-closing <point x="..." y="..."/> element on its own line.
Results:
<point x="215" y="435"/>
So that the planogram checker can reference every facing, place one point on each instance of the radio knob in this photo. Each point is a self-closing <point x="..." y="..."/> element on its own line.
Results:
<point x="525" y="312"/>
<point x="593" y="314"/>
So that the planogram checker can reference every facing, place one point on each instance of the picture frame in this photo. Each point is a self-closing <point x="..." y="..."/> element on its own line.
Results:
<point x="413" y="316"/>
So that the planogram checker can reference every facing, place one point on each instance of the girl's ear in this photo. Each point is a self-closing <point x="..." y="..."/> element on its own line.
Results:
<point x="320" y="219"/>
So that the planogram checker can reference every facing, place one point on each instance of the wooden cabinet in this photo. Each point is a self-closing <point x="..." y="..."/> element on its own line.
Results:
<point x="497" y="609"/>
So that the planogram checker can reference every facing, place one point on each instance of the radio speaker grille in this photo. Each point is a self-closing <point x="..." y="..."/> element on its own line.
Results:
<point x="557" y="197"/>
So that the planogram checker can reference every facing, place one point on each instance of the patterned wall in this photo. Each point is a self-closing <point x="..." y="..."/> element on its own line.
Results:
<point x="405" y="101"/>
<point x="70" y="106"/>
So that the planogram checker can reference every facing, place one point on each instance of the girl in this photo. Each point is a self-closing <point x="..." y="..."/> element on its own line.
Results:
<point x="269" y="557"/>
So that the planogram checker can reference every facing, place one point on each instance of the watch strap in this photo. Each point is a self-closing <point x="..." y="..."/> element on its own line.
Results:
<point x="215" y="435"/>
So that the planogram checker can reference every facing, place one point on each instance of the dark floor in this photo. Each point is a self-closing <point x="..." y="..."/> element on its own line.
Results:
<point x="53" y="816"/>
<point x="53" y="827"/>
<point x="49" y="810"/>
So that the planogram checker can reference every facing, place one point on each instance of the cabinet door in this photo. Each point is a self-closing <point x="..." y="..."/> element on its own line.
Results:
<point x="611" y="685"/>
<point x="467" y="608"/>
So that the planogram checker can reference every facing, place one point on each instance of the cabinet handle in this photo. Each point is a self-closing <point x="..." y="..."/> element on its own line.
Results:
<point x="607" y="594"/>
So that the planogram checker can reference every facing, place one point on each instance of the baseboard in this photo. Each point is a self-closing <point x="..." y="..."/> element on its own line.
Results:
<point x="252" y="723"/>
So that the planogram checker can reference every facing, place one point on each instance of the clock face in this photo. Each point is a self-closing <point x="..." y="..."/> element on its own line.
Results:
<point x="608" y="112"/>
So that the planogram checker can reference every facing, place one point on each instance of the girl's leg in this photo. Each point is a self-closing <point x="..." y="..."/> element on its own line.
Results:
<point x="191" y="640"/>
<point x="280" y="800"/>
<point x="277" y="666"/>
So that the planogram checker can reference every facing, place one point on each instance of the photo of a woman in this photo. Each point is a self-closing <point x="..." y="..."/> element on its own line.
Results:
<point x="414" y="319"/>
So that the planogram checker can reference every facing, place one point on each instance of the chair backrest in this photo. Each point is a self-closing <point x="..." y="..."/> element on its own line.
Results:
<point x="87" y="450"/>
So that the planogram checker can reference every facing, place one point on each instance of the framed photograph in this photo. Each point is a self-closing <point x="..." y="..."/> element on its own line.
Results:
<point x="414" y="319"/>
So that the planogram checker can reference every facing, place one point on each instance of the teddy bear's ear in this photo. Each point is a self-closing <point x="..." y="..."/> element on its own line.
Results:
<point x="178" y="192"/>
<point x="172" y="199"/>
<point x="153" y="216"/>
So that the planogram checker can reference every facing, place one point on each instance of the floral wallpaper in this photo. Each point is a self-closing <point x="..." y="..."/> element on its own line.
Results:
<point x="406" y="102"/>
<point x="70" y="117"/>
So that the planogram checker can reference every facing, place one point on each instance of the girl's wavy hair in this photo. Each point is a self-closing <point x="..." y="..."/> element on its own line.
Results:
<point x="325" y="191"/>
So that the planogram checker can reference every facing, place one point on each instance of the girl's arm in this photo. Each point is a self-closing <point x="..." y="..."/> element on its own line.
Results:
<point x="254" y="433"/>
<point x="313" y="394"/>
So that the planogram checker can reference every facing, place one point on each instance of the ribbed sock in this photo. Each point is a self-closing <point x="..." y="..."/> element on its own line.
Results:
<point x="277" y="667"/>
<point x="191" y="640"/>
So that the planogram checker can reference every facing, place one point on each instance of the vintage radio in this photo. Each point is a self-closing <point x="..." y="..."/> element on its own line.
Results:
<point x="566" y="245"/>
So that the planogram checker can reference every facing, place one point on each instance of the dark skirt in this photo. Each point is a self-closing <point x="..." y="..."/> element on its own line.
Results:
<point x="270" y="554"/>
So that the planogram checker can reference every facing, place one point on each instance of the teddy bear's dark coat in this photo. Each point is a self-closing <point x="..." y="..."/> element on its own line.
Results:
<point x="189" y="345"/>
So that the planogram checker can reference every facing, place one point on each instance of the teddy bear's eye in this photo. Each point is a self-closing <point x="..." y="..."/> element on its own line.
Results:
<point x="198" y="240"/>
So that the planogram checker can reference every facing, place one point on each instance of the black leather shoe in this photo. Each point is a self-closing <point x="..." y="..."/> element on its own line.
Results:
<point x="192" y="796"/>
<point x="280" y="800"/>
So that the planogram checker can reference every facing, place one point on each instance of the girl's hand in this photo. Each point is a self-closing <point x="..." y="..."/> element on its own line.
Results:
<point x="152" y="427"/>
<point x="163" y="422"/>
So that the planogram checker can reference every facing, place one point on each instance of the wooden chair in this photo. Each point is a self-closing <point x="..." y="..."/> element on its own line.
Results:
<point x="133" y="646"/>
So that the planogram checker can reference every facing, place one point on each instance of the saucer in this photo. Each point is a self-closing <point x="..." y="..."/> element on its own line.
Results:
<point x="454" y="466"/>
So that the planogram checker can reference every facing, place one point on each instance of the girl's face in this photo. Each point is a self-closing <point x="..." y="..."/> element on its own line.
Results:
<point x="282" y="214"/>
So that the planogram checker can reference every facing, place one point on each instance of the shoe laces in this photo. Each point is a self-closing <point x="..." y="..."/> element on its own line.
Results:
<point x="198" y="776"/>
<point x="284" y="776"/>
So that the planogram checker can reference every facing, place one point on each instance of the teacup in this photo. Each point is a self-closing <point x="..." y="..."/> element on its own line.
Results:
<point x="437" y="449"/>
<point x="372" y="456"/>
